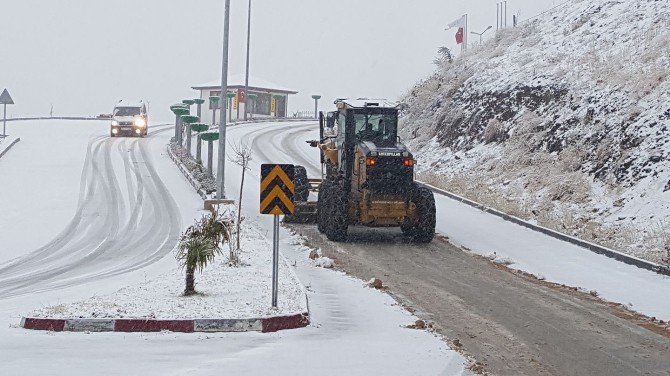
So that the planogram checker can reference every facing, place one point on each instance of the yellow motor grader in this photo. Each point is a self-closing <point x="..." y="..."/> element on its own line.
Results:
<point x="367" y="175"/>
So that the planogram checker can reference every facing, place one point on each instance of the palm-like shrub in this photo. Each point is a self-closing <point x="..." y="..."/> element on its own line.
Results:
<point x="200" y="244"/>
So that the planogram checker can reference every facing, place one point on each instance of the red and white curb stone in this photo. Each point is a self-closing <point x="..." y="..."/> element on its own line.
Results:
<point x="265" y="324"/>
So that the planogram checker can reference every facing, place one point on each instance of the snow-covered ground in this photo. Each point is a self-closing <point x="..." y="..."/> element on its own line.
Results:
<point x="564" y="120"/>
<point x="224" y="292"/>
<point x="355" y="330"/>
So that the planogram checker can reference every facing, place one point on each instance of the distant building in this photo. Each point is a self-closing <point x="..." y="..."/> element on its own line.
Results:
<point x="267" y="99"/>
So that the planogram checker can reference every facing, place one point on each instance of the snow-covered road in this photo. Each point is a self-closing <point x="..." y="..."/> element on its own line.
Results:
<point x="355" y="330"/>
<point x="114" y="228"/>
<point x="502" y="319"/>
<point x="483" y="233"/>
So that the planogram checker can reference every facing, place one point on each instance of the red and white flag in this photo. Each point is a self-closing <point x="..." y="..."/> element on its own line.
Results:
<point x="460" y="24"/>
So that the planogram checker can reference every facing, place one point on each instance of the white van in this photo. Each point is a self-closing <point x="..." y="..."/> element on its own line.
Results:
<point x="129" y="119"/>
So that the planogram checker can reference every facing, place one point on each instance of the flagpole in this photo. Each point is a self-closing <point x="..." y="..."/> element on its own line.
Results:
<point x="466" y="31"/>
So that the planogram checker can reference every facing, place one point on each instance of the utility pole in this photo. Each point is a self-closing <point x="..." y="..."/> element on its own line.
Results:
<point x="221" y="166"/>
<point x="246" y="78"/>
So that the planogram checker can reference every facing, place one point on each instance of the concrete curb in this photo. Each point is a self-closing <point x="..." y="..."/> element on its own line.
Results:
<point x="619" y="256"/>
<point x="10" y="143"/>
<point x="263" y="324"/>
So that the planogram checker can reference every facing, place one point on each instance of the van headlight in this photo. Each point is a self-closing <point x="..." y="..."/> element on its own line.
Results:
<point x="114" y="123"/>
<point x="139" y="122"/>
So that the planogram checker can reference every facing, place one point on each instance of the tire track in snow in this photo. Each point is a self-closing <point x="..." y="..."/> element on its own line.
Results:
<point x="103" y="239"/>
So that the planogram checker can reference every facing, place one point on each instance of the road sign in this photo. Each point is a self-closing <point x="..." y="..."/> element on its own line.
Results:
<point x="5" y="99"/>
<point x="277" y="189"/>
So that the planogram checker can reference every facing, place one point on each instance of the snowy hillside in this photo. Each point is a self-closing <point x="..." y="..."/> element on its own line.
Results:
<point x="564" y="120"/>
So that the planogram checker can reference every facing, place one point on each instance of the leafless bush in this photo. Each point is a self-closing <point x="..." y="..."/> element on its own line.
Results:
<point x="241" y="156"/>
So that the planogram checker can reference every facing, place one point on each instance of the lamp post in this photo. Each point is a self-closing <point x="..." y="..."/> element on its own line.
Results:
<point x="214" y="103"/>
<point x="246" y="78"/>
<point x="316" y="105"/>
<point x="221" y="166"/>
<point x="481" y="34"/>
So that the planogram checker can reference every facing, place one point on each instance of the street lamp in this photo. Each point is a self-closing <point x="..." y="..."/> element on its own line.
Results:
<point x="316" y="105"/>
<point x="246" y="78"/>
<point x="482" y="33"/>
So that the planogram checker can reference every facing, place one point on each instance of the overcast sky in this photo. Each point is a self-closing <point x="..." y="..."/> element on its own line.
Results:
<point x="82" y="56"/>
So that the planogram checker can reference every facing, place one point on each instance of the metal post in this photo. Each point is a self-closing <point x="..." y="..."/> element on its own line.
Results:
<point x="275" y="261"/>
<point x="497" y="16"/>
<point x="199" y="110"/>
<point x="4" y="121"/>
<point x="179" y="130"/>
<point x="188" y="139"/>
<point x="505" y="14"/>
<point x="246" y="78"/>
<point x="221" y="165"/>
<point x="316" y="108"/>
<point x="465" y="32"/>
<point x="214" y="116"/>
<point x="210" y="156"/>
<point x="198" y="149"/>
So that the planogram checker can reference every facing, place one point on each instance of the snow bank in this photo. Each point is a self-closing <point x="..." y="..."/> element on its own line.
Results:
<point x="224" y="292"/>
<point x="564" y="120"/>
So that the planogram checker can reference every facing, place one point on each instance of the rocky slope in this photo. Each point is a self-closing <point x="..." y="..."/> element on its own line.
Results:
<point x="564" y="120"/>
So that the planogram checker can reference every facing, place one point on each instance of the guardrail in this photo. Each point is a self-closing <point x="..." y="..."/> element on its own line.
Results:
<point x="619" y="256"/>
<point x="58" y="118"/>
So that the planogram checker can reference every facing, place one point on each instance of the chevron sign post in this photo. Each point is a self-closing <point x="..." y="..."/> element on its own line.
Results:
<point x="277" y="190"/>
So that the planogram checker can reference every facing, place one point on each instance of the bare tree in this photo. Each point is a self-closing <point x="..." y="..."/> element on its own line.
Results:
<point x="241" y="156"/>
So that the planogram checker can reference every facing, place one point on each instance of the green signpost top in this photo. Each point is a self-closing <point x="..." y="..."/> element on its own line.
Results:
<point x="209" y="136"/>
<point x="188" y="101"/>
<point x="199" y="127"/>
<point x="231" y="95"/>
<point x="179" y="111"/>
<point x="189" y="119"/>
<point x="198" y="101"/>
<point x="213" y="99"/>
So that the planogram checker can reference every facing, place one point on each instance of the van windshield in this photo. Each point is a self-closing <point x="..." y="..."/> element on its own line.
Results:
<point x="126" y="111"/>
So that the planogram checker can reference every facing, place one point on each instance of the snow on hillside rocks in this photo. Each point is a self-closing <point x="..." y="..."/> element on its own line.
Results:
<point x="564" y="120"/>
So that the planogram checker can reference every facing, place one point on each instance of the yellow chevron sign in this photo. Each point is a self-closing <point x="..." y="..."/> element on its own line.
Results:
<point x="277" y="189"/>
